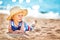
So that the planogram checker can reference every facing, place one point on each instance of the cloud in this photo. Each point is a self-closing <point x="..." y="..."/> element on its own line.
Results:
<point x="8" y="6"/>
<point x="27" y="1"/>
<point x="13" y="0"/>
<point x="20" y="1"/>
<point x="33" y="13"/>
<point x="1" y="2"/>
<point x="50" y="15"/>
<point x="4" y="12"/>
<point x="35" y="7"/>
<point x="37" y="14"/>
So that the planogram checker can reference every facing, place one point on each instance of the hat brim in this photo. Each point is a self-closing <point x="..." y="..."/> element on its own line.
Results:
<point x="24" y="12"/>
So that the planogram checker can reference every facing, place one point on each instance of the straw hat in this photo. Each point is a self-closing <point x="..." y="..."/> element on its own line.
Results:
<point x="16" y="10"/>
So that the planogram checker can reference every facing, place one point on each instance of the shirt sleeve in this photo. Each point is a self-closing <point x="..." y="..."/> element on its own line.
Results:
<point x="27" y="27"/>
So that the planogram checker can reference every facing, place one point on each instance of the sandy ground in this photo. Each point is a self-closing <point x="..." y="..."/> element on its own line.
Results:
<point x="45" y="29"/>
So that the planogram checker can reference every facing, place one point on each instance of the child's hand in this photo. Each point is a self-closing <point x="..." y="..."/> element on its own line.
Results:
<point x="22" y="27"/>
<point x="17" y="32"/>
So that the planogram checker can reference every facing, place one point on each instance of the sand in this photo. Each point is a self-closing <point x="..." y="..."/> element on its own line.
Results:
<point x="45" y="29"/>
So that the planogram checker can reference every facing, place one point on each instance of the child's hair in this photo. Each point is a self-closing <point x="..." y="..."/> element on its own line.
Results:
<point x="11" y="20"/>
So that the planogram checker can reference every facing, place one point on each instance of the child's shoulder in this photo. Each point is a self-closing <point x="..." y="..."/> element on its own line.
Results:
<point x="11" y="23"/>
<point x="25" y="24"/>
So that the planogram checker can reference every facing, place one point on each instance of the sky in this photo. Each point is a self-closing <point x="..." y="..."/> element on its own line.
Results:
<point x="37" y="7"/>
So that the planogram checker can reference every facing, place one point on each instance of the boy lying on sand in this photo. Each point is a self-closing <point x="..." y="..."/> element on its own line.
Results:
<point x="16" y="23"/>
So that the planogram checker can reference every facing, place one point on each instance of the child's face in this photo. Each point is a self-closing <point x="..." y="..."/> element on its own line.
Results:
<point x="18" y="17"/>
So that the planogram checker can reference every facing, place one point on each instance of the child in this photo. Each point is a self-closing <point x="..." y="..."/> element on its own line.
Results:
<point x="16" y="23"/>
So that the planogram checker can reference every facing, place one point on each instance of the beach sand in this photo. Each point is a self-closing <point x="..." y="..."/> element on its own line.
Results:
<point x="45" y="29"/>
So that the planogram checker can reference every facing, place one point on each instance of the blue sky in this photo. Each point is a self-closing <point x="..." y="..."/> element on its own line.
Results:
<point x="44" y="5"/>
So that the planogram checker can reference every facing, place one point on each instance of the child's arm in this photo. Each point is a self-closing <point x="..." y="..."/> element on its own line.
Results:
<point x="9" y="29"/>
<point x="22" y="27"/>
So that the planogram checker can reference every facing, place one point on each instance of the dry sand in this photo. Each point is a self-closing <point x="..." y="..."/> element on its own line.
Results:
<point x="45" y="29"/>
